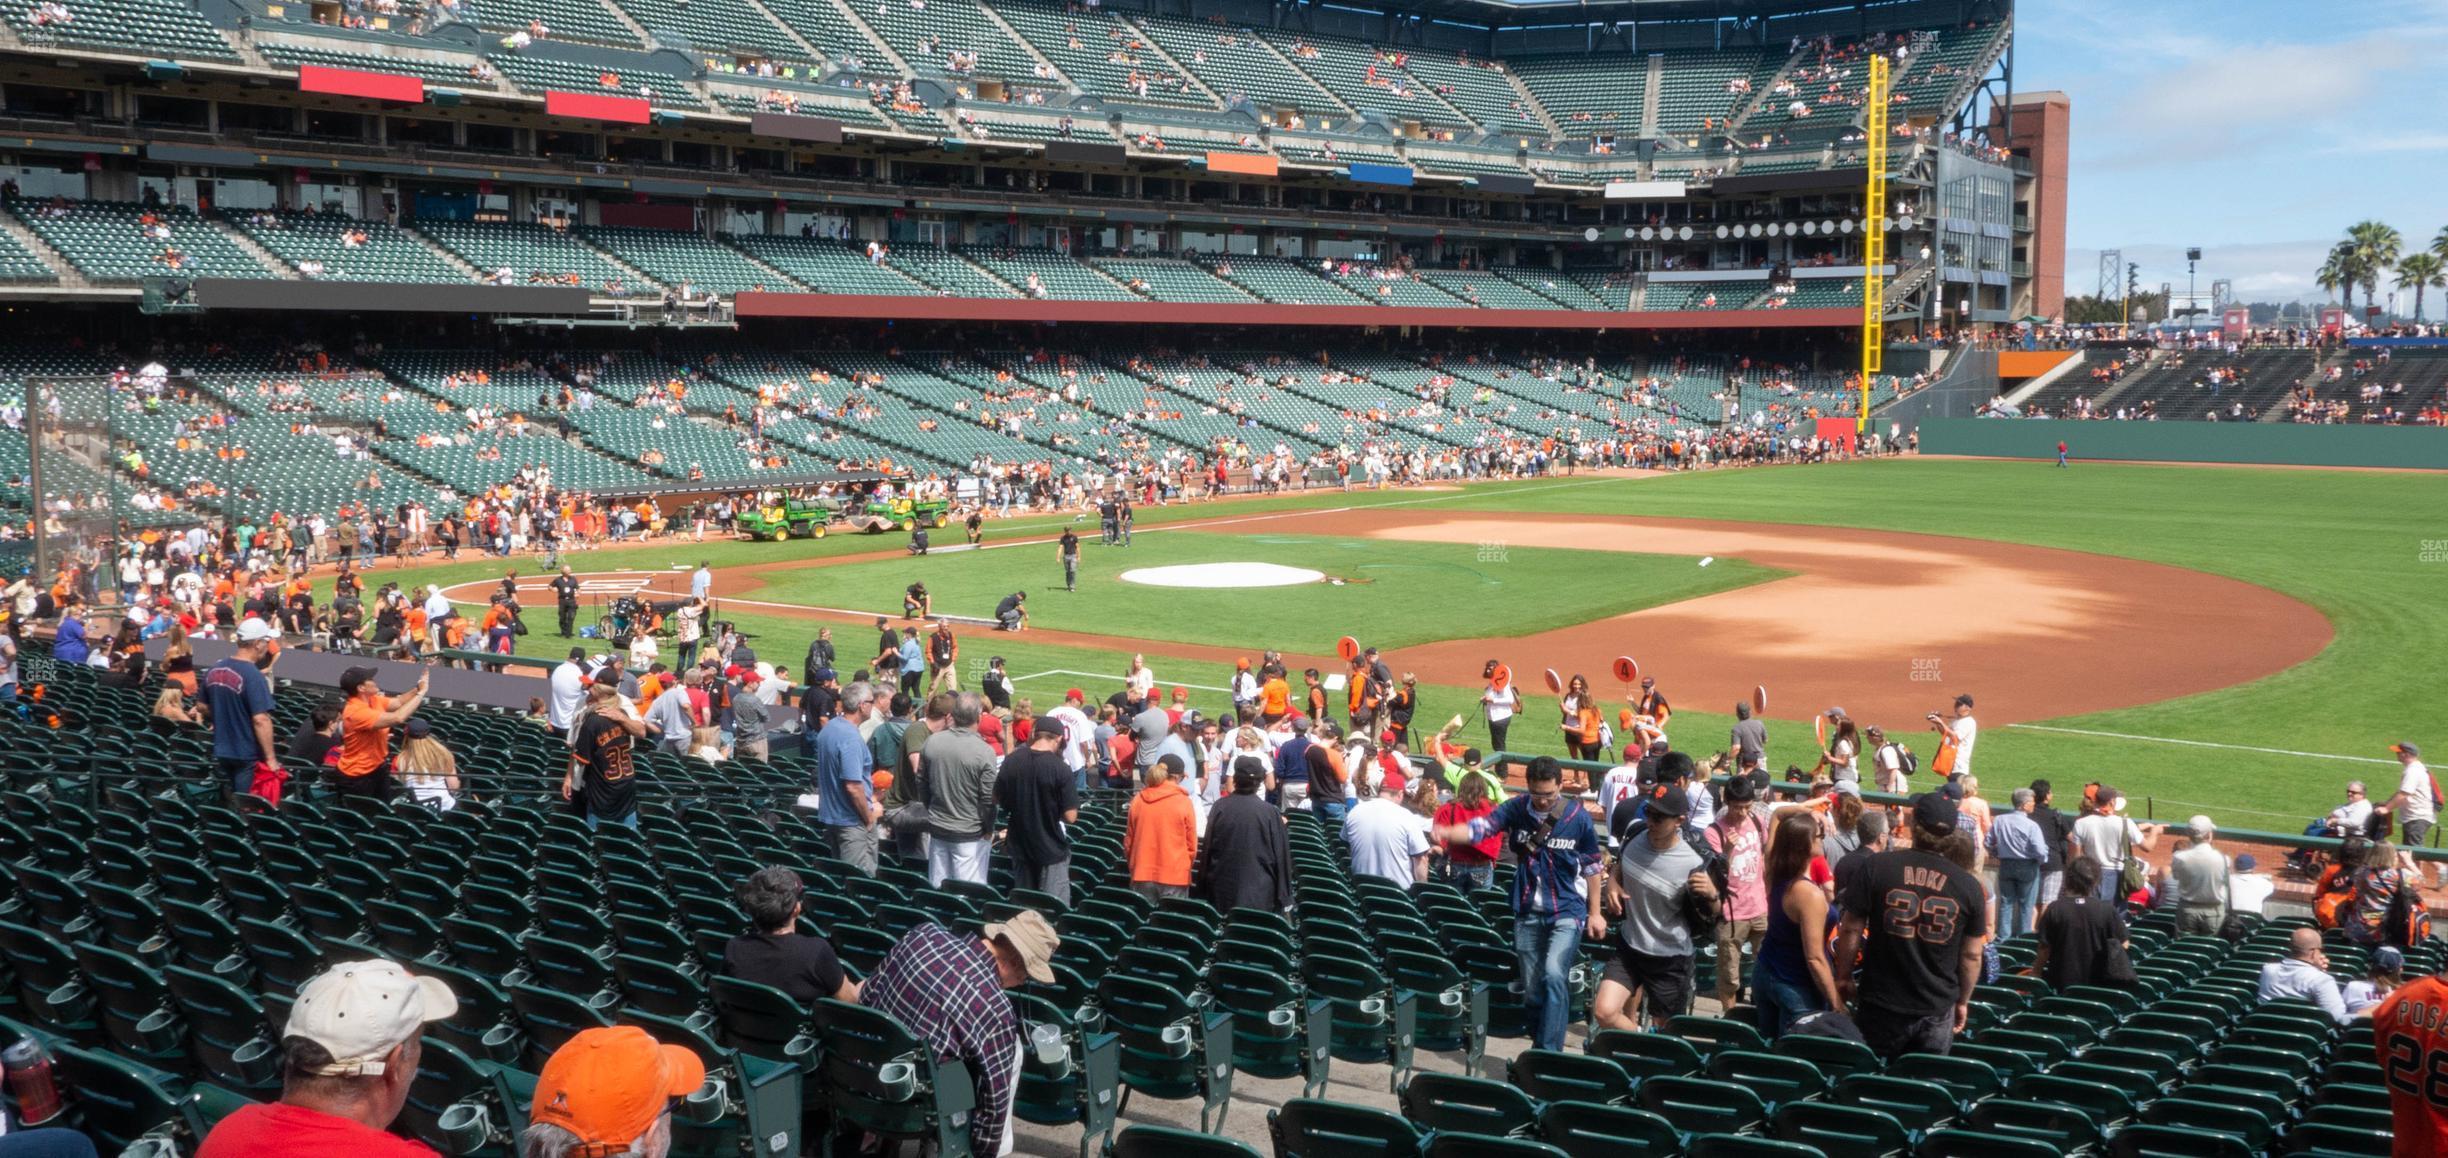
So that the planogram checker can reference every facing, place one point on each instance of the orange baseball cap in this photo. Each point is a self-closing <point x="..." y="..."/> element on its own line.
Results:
<point x="608" y="1085"/>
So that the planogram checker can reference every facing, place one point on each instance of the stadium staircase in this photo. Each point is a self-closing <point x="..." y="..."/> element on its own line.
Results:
<point x="849" y="14"/>
<point x="253" y="248"/>
<point x="1034" y="53"/>
<point x="1759" y="96"/>
<point x="620" y="14"/>
<point x="1530" y="101"/>
<point x="1148" y="45"/>
<point x="61" y="268"/>
<point x="796" y="37"/>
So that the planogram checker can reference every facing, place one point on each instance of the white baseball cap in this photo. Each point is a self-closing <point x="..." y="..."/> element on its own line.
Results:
<point x="359" y="1011"/>
<point x="255" y="630"/>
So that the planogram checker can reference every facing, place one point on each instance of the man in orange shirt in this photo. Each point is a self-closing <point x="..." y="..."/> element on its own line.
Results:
<point x="2410" y="1030"/>
<point x="1162" y="837"/>
<point x="366" y="721"/>
<point x="1275" y="696"/>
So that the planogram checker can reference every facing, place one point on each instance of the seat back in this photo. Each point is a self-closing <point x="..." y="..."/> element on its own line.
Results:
<point x="1440" y="1101"/>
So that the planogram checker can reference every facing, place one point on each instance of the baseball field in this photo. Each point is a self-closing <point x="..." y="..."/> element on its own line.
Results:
<point x="2226" y="640"/>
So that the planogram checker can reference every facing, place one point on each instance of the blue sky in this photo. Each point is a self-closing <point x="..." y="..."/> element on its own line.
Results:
<point x="2256" y="129"/>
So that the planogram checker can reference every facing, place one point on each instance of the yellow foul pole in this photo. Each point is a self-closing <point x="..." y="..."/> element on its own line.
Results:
<point x="1874" y="242"/>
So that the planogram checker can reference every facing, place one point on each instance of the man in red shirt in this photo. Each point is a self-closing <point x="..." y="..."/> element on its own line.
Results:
<point x="349" y="1053"/>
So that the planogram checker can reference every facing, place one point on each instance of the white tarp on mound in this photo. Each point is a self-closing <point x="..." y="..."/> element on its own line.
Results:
<point x="1213" y="575"/>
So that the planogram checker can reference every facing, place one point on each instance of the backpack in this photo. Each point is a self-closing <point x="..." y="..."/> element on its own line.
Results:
<point x="2407" y="923"/>
<point x="1905" y="760"/>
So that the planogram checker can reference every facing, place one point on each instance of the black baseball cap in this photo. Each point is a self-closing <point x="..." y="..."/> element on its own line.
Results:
<point x="354" y="678"/>
<point x="1933" y="811"/>
<point x="1672" y="802"/>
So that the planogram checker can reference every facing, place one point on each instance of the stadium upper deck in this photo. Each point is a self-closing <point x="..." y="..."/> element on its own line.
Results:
<point x="989" y="144"/>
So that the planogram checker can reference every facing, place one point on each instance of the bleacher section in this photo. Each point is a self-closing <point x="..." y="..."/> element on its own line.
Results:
<point x="537" y="75"/>
<point x="1056" y="274"/>
<point x="446" y="71"/>
<point x="529" y="250"/>
<point x="563" y="19"/>
<point x="380" y="252"/>
<point x="18" y="264"/>
<point x="1700" y="87"/>
<point x="927" y="34"/>
<point x="822" y="24"/>
<point x="1701" y="295"/>
<point x="106" y="241"/>
<point x="198" y="922"/>
<point x="1167" y="280"/>
<point x="1235" y="65"/>
<point x="146" y="28"/>
<point x="709" y="25"/>
<point x="1102" y="56"/>
<point x="1282" y="280"/>
<point x="947" y="271"/>
<point x="849" y="107"/>
<point x="832" y="267"/>
<point x="1477" y="89"/>
<point x="1589" y="96"/>
<point x="672" y="257"/>
<point x="1365" y="79"/>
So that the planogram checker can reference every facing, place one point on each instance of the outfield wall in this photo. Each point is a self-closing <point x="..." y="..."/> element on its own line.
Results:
<point x="2239" y="442"/>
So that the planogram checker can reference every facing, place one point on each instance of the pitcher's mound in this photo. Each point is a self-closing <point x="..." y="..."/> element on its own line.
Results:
<point x="1215" y="575"/>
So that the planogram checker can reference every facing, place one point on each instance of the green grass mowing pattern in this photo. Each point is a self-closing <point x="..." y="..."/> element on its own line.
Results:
<point x="1509" y="592"/>
<point x="2352" y="544"/>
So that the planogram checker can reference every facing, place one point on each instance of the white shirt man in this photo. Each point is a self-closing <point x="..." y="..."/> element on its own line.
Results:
<point x="1079" y="734"/>
<point x="1386" y="839"/>
<point x="1966" y="731"/>
<point x="701" y="583"/>
<point x="568" y="691"/>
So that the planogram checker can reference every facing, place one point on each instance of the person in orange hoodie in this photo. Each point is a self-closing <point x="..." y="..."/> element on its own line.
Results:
<point x="1163" y="834"/>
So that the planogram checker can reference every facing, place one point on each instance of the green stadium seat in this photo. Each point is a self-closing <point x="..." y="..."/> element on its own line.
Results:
<point x="1448" y="1102"/>
<point x="1554" y="1075"/>
<point x="865" y="1054"/>
<point x="1315" y="1128"/>
<point x="1171" y="1049"/>
<point x="1143" y="1141"/>
<point x="1278" y="1030"/>
<point x="1589" y="1129"/>
<point x="1703" y="1105"/>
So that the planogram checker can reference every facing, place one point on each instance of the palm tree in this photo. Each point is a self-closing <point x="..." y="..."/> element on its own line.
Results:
<point x="2377" y="247"/>
<point x="2418" y="270"/>
<point x="2337" y="271"/>
<point x="2439" y="244"/>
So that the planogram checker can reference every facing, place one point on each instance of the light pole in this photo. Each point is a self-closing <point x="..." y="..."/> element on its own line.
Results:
<point x="2192" y="304"/>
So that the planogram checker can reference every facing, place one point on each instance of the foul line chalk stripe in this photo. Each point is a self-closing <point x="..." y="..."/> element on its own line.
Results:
<point x="2202" y="744"/>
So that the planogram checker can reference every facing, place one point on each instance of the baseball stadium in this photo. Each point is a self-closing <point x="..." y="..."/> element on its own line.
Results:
<point x="1180" y="579"/>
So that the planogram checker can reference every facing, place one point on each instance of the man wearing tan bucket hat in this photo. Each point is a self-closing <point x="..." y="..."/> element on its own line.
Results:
<point x="947" y="989"/>
<point x="348" y="1055"/>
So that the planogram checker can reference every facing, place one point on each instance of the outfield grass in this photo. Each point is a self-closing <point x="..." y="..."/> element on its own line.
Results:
<point x="2355" y="545"/>
<point x="1386" y="584"/>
